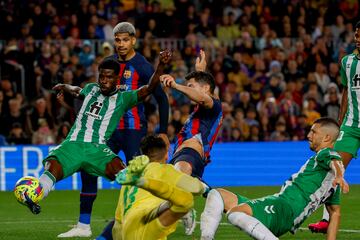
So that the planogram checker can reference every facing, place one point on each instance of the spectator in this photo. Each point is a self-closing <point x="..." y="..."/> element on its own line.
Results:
<point x="43" y="135"/>
<point x="17" y="135"/>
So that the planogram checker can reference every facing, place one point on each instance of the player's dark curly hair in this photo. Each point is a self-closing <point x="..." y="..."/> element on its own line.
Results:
<point x="154" y="147"/>
<point x="203" y="78"/>
<point x="109" y="63"/>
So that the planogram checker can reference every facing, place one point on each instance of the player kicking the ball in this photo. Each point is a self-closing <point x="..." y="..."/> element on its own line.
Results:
<point x="318" y="182"/>
<point x="85" y="146"/>
<point x="155" y="197"/>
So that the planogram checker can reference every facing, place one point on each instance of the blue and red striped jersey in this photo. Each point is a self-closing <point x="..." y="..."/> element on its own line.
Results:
<point x="134" y="74"/>
<point x="203" y="121"/>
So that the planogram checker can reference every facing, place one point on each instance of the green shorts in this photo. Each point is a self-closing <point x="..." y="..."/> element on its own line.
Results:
<point x="348" y="140"/>
<point x="90" y="157"/>
<point x="274" y="212"/>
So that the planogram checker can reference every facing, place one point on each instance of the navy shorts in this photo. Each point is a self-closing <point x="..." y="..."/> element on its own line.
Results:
<point x="192" y="157"/>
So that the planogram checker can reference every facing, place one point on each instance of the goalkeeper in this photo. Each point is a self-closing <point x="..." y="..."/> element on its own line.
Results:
<point x="156" y="195"/>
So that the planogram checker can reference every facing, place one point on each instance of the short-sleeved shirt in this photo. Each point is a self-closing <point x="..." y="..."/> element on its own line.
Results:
<point x="350" y="78"/>
<point x="134" y="74"/>
<point x="99" y="115"/>
<point x="312" y="186"/>
<point x="203" y="123"/>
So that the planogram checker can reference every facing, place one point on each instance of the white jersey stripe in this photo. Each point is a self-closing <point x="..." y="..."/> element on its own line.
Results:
<point x="358" y="92"/>
<point x="317" y="199"/>
<point x="90" y="121"/>
<point x="79" y="118"/>
<point x="107" y="117"/>
<point x="350" y="116"/>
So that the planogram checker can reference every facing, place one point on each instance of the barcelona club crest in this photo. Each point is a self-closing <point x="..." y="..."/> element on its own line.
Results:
<point x="127" y="74"/>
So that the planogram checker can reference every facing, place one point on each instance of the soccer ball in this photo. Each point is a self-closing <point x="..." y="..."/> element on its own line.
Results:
<point x="32" y="187"/>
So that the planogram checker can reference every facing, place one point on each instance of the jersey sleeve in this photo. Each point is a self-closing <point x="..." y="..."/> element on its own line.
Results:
<point x="146" y="73"/>
<point x="335" y="198"/>
<point x="87" y="89"/>
<point x="343" y="73"/>
<point x="325" y="157"/>
<point x="130" y="99"/>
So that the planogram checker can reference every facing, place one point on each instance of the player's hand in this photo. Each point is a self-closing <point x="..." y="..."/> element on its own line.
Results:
<point x="60" y="97"/>
<point x="168" y="80"/>
<point x="200" y="63"/>
<point x="344" y="186"/>
<point x="165" y="56"/>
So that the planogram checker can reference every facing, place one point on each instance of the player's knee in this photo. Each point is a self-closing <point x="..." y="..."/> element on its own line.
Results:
<point x="55" y="168"/>
<point x="113" y="167"/>
<point x="184" y="167"/>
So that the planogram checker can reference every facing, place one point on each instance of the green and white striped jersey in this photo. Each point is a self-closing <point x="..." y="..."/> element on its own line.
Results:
<point x="312" y="186"/>
<point x="350" y="78"/>
<point x="99" y="114"/>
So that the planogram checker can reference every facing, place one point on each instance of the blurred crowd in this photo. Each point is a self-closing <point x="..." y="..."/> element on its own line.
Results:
<point x="276" y="63"/>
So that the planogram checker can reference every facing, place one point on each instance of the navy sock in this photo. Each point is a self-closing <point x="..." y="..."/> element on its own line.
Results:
<point x="107" y="232"/>
<point x="87" y="196"/>
<point x="86" y="204"/>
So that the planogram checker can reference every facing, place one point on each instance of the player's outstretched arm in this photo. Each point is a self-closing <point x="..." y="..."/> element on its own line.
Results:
<point x="73" y="90"/>
<point x="196" y="96"/>
<point x="146" y="90"/>
<point x="338" y="169"/>
<point x="334" y="213"/>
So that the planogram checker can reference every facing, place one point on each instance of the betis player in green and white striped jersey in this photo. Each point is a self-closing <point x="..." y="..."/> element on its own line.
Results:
<point x="318" y="182"/>
<point x="85" y="146"/>
<point x="348" y="142"/>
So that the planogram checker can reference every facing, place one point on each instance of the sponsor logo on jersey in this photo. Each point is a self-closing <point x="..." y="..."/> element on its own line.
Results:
<point x="95" y="110"/>
<point x="123" y="87"/>
<point x="127" y="74"/>
<point x="356" y="82"/>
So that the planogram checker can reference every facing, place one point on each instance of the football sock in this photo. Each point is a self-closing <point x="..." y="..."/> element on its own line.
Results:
<point x="325" y="214"/>
<point x="107" y="232"/>
<point x="47" y="181"/>
<point x="86" y="204"/>
<point x="251" y="226"/>
<point x="87" y="196"/>
<point x="182" y="201"/>
<point x="212" y="214"/>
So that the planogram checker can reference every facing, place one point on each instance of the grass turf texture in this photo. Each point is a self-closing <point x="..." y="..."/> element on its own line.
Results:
<point x="61" y="209"/>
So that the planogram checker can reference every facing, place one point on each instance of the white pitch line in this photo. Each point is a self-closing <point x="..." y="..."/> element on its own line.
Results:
<point x="303" y="229"/>
<point x="104" y="220"/>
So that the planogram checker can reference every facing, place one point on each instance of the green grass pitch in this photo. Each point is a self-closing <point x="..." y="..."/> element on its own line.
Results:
<point x="61" y="209"/>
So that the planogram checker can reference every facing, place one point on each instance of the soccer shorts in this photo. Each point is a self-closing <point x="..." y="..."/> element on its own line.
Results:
<point x="142" y="223"/>
<point x="90" y="157"/>
<point x="192" y="157"/>
<point x="274" y="212"/>
<point x="348" y="140"/>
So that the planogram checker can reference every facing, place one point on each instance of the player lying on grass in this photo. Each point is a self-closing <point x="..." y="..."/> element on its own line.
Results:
<point x="318" y="182"/>
<point x="85" y="146"/>
<point x="156" y="195"/>
<point x="194" y="141"/>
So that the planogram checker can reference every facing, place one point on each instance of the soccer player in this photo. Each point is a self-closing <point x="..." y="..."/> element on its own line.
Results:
<point x="154" y="196"/>
<point x="318" y="182"/>
<point x="195" y="140"/>
<point x="135" y="72"/>
<point x="85" y="146"/>
<point x="348" y="142"/>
